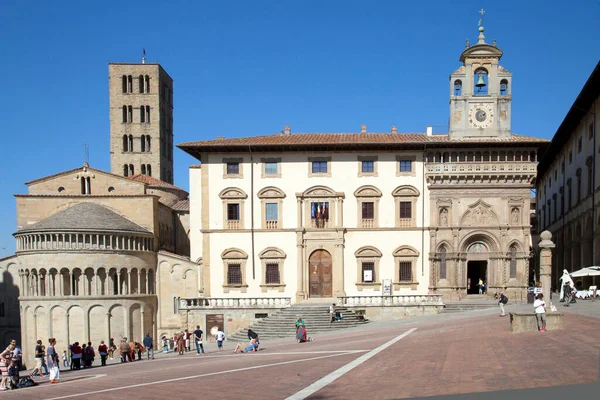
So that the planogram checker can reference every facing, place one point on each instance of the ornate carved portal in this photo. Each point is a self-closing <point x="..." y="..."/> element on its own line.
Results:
<point x="320" y="272"/>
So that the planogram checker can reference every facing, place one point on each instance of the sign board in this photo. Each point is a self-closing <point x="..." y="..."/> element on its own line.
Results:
<point x="537" y="290"/>
<point x="387" y="287"/>
<point x="367" y="275"/>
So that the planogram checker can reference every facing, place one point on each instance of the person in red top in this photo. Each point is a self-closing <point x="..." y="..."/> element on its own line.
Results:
<point x="76" y="355"/>
<point x="103" y="350"/>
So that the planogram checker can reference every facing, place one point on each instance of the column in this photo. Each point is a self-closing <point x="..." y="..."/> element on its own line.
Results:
<point x="142" y="334"/>
<point x="61" y="283"/>
<point x="119" y="283"/>
<point x="96" y="292"/>
<point x="128" y="282"/>
<point x="86" y="322"/>
<point x="301" y="291"/>
<point x="67" y="327"/>
<point x="546" y="245"/>
<point x="71" y="283"/>
<point x="107" y="327"/>
<point x="147" y="274"/>
<point x="139" y="282"/>
<point x="299" y="211"/>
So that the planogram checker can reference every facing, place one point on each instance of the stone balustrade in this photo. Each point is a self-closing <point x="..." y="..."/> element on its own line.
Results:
<point x="65" y="241"/>
<point x="481" y="168"/>
<point x="391" y="301"/>
<point x="252" y="302"/>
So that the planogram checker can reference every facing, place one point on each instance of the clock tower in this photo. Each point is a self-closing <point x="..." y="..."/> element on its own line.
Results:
<point x="480" y="93"/>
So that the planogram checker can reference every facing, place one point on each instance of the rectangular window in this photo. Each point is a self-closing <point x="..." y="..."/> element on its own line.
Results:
<point x="405" y="209"/>
<point x="579" y="145"/>
<point x="368" y="166"/>
<point x="234" y="274"/>
<point x="405" y="166"/>
<point x="272" y="276"/>
<point x="233" y="168"/>
<point x="271" y="168"/>
<point x="271" y="211"/>
<point x="233" y="212"/>
<point x="368" y="210"/>
<point x="319" y="167"/>
<point x="368" y="272"/>
<point x="405" y="271"/>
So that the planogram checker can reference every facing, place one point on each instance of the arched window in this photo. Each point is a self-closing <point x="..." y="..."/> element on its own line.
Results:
<point x="130" y="143"/>
<point x="143" y="142"/>
<point x="131" y="170"/>
<point x="503" y="87"/>
<point x="443" y="263"/>
<point x="480" y="82"/>
<point x="141" y="83"/>
<point x="142" y="114"/>
<point x="149" y="170"/>
<point x="513" y="262"/>
<point x="148" y="141"/>
<point x="147" y="79"/>
<point x="125" y="170"/>
<point x="130" y="84"/>
<point x="125" y="143"/>
<point x="147" y="110"/>
<point x="578" y="173"/>
<point x="129" y="114"/>
<point x="457" y="87"/>
<point x="144" y="169"/>
<point x="124" y="113"/>
<point x="124" y="83"/>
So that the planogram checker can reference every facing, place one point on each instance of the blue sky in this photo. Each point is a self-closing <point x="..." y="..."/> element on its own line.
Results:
<point x="249" y="68"/>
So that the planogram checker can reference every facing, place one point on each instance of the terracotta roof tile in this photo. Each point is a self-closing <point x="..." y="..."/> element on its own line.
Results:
<point x="182" y="205"/>
<point x="153" y="181"/>
<point x="349" y="138"/>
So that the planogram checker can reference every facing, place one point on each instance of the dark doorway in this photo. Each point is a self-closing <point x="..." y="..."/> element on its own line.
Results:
<point x="319" y="265"/>
<point x="476" y="270"/>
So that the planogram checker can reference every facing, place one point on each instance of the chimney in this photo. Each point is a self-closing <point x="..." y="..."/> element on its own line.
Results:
<point x="429" y="131"/>
<point x="287" y="130"/>
<point x="363" y="129"/>
<point x="394" y="130"/>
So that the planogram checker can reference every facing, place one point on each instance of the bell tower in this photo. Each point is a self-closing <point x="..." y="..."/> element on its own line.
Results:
<point x="480" y="92"/>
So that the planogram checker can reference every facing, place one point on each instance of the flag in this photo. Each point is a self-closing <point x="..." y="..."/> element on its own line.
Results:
<point x="319" y="210"/>
<point x="313" y="211"/>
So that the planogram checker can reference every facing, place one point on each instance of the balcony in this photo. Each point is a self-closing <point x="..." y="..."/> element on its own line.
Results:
<point x="367" y="223"/>
<point x="473" y="172"/>
<point x="272" y="225"/>
<point x="233" y="224"/>
<point x="237" y="303"/>
<point x="320" y="223"/>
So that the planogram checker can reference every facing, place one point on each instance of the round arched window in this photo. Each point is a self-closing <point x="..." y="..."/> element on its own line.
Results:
<point x="61" y="189"/>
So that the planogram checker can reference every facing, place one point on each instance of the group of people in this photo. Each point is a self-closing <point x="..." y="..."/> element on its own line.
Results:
<point x="10" y="365"/>
<point x="301" y="332"/>
<point x="128" y="349"/>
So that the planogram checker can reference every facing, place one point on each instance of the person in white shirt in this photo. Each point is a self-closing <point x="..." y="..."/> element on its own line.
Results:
<point x="220" y="336"/>
<point x="539" y="305"/>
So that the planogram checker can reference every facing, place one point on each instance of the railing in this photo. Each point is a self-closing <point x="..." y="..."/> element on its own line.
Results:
<point x="368" y="223"/>
<point x="319" y="223"/>
<point x="272" y="224"/>
<point x="253" y="302"/>
<point x="499" y="167"/>
<point x="233" y="224"/>
<point x="405" y="222"/>
<point x="391" y="301"/>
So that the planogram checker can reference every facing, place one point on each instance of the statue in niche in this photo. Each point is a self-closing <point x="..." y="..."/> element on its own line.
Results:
<point x="515" y="216"/>
<point x="444" y="217"/>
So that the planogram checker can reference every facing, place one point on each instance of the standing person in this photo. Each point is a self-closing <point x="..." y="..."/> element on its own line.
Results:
<point x="91" y="354"/>
<point x="165" y="343"/>
<point x="188" y="336"/>
<point x="566" y="281"/>
<point x="5" y="359"/>
<point x="53" y="362"/>
<point x="539" y="306"/>
<point x="124" y="350"/>
<point x="103" y="351"/>
<point x="76" y="354"/>
<point x="198" y="340"/>
<point x="480" y="284"/>
<point x="254" y="335"/>
<point x="140" y="349"/>
<point x="65" y="359"/>
<point x="17" y="354"/>
<point x="220" y="336"/>
<point x="181" y="343"/>
<point x="502" y="300"/>
<point x="132" y="348"/>
<point x="148" y="344"/>
<point x="84" y="355"/>
<point x="332" y="312"/>
<point x="39" y="358"/>
<point x="71" y="357"/>
<point x="112" y="347"/>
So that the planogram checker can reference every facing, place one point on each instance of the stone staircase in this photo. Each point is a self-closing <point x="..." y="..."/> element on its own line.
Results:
<point x="472" y="302"/>
<point x="282" y="324"/>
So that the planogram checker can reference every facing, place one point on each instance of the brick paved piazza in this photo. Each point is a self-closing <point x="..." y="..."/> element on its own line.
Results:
<point x="443" y="355"/>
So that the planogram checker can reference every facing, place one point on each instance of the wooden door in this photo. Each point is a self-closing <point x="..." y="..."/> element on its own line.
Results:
<point x="320" y="265"/>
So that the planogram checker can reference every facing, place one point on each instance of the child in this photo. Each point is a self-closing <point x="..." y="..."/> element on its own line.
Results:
<point x="13" y="375"/>
<point x="165" y="344"/>
<point x="65" y="359"/>
<point x="539" y="305"/>
<point x="220" y="336"/>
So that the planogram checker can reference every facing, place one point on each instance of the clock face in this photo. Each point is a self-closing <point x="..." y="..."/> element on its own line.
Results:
<point x="480" y="116"/>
